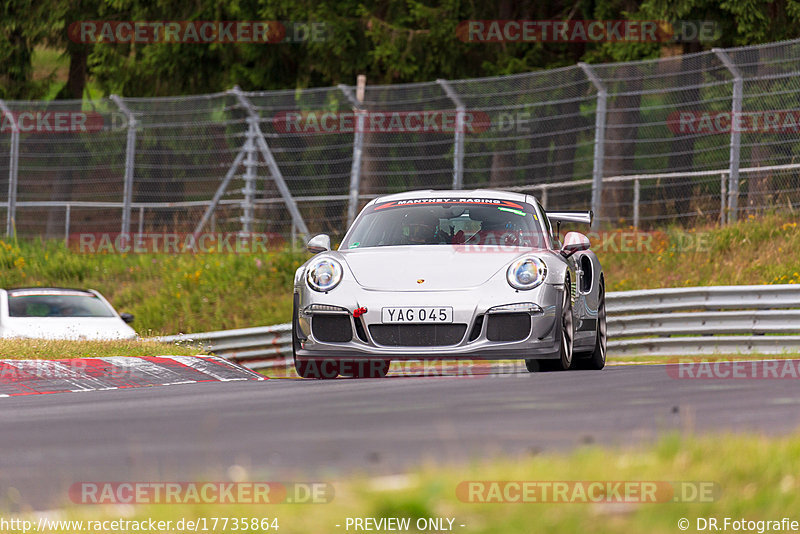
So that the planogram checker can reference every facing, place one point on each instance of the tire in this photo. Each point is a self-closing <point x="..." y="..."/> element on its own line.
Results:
<point x="542" y="366"/>
<point x="364" y="368"/>
<point x="565" y="358"/>
<point x="323" y="369"/>
<point x="313" y="368"/>
<point x="597" y="358"/>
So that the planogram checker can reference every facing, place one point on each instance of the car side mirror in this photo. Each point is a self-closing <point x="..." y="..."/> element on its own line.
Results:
<point x="319" y="243"/>
<point x="127" y="317"/>
<point x="574" y="242"/>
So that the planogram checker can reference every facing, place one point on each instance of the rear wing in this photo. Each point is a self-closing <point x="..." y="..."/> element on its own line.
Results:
<point x="584" y="217"/>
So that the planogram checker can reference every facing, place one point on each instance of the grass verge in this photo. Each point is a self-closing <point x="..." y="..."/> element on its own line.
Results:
<point x="753" y="251"/>
<point x="665" y="359"/>
<point x="44" y="349"/>
<point x="754" y="477"/>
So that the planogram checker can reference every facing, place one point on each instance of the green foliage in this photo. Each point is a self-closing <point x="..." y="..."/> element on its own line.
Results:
<point x="390" y="42"/>
<point x="23" y="24"/>
<point x="753" y="251"/>
<point x="742" y="22"/>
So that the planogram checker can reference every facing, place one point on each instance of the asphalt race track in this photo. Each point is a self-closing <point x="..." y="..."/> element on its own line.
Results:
<point x="291" y="429"/>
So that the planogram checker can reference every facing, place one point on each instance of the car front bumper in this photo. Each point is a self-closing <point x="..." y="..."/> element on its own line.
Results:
<point x="469" y="306"/>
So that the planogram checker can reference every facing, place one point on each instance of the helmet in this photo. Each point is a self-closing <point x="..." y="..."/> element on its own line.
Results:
<point x="493" y="220"/>
<point x="422" y="227"/>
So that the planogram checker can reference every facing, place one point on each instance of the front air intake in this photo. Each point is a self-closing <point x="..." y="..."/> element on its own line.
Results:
<point x="417" y="335"/>
<point x="332" y="328"/>
<point x="508" y="326"/>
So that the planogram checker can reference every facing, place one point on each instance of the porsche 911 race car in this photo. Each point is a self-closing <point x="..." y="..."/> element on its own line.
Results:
<point x="478" y="275"/>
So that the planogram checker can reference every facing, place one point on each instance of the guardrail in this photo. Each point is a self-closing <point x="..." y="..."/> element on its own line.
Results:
<point x="257" y="348"/>
<point x="675" y="321"/>
<point x="704" y="320"/>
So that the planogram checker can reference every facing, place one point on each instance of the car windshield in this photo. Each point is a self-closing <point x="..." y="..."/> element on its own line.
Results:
<point x="31" y="303"/>
<point x="489" y="222"/>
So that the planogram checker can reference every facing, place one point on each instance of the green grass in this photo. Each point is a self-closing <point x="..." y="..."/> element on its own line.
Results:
<point x="665" y="359"/>
<point x="45" y="349"/>
<point x="754" y="477"/>
<point x="168" y="294"/>
<point x="753" y="251"/>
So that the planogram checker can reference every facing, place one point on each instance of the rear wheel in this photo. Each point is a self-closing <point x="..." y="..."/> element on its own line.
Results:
<point x="565" y="324"/>
<point x="312" y="368"/>
<point x="597" y="358"/>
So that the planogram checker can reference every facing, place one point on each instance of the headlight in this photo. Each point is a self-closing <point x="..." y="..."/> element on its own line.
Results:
<point x="526" y="273"/>
<point x="324" y="274"/>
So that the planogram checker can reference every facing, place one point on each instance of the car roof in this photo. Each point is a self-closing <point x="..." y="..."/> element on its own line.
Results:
<point x="46" y="289"/>
<point x="460" y="193"/>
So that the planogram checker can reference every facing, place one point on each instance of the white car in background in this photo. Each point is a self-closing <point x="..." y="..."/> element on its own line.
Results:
<point x="58" y="313"/>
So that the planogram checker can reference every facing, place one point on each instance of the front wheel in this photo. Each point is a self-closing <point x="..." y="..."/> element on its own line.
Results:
<point x="364" y="368"/>
<point x="317" y="368"/>
<point x="565" y="324"/>
<point x="597" y="358"/>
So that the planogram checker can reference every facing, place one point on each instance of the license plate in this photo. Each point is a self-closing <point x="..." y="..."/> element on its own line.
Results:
<point x="420" y="314"/>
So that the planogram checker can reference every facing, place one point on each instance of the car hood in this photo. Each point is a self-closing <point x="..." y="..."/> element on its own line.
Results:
<point x="440" y="267"/>
<point x="66" y="328"/>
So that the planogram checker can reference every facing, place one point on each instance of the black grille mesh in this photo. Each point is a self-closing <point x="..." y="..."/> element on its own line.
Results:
<point x="417" y="335"/>
<point x="332" y="328"/>
<point x="508" y="326"/>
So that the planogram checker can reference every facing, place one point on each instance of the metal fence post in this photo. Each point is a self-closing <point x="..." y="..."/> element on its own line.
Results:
<point x="274" y="170"/>
<point x="599" y="142"/>
<point x="636" y="196"/>
<point x="130" y="158"/>
<point x="736" y="111"/>
<point x="458" y="139"/>
<point x="66" y="224"/>
<point x="13" y="183"/>
<point x="358" y="145"/>
<point x="722" y="193"/>
<point x="13" y="170"/>
<point x="212" y="206"/>
<point x="250" y="176"/>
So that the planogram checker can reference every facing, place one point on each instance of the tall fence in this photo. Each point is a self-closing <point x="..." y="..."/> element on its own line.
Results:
<point x="688" y="139"/>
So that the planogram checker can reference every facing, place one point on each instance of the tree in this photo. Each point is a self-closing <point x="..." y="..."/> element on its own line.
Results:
<point x="23" y="25"/>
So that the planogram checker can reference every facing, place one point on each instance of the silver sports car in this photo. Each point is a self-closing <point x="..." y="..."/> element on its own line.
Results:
<point x="450" y="275"/>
